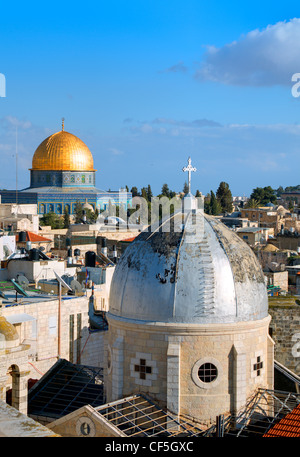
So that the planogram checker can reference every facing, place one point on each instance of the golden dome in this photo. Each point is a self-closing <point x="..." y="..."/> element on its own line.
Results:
<point x="63" y="151"/>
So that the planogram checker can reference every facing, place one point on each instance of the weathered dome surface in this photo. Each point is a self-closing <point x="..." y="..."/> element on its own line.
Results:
<point x="196" y="274"/>
<point x="63" y="151"/>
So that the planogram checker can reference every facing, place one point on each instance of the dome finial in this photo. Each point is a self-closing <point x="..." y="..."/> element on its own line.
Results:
<point x="63" y="124"/>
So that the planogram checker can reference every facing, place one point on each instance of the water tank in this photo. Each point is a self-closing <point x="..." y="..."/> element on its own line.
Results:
<point x="34" y="254"/>
<point x="90" y="259"/>
<point x="22" y="237"/>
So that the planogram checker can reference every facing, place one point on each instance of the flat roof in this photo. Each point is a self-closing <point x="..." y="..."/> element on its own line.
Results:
<point x="34" y="295"/>
<point x="252" y="229"/>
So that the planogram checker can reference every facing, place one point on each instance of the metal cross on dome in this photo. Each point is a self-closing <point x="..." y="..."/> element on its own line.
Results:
<point x="189" y="169"/>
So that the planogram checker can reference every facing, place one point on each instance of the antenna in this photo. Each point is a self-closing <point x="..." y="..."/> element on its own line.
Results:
<point x="17" y="168"/>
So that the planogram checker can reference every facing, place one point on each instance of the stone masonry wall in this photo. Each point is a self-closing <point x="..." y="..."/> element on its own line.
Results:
<point x="42" y="334"/>
<point x="285" y="331"/>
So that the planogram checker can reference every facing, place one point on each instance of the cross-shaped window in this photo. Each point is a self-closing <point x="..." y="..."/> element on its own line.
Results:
<point x="258" y="366"/>
<point x="143" y="369"/>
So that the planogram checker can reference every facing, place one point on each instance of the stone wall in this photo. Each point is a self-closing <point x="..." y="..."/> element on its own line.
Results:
<point x="285" y="331"/>
<point x="73" y="342"/>
<point x="278" y="278"/>
<point x="163" y="362"/>
<point x="85" y="422"/>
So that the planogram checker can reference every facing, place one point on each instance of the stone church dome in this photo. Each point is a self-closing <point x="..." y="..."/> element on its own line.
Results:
<point x="63" y="151"/>
<point x="197" y="273"/>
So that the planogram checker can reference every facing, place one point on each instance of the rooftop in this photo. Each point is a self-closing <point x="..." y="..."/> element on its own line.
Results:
<point x="65" y="388"/>
<point x="14" y="424"/>
<point x="138" y="416"/>
<point x="252" y="229"/>
<point x="34" y="237"/>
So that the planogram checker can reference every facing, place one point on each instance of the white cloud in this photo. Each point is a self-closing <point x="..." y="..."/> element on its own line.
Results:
<point x="13" y="121"/>
<point x="115" y="151"/>
<point x="260" y="58"/>
<point x="176" y="68"/>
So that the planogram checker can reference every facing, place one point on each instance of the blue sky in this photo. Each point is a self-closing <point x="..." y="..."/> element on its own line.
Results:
<point x="146" y="84"/>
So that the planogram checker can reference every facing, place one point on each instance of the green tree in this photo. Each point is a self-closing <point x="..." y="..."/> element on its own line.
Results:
<point x="149" y="193"/>
<point x="214" y="205"/>
<point x="66" y="217"/>
<point x="144" y="193"/>
<point x="279" y="191"/>
<point x="78" y="212"/>
<point x="52" y="219"/>
<point x="252" y="203"/>
<point x="91" y="216"/>
<point x="134" y="191"/>
<point x="264" y="195"/>
<point x="185" y="189"/>
<point x="207" y="203"/>
<point x="224" y="197"/>
<point x="165" y="191"/>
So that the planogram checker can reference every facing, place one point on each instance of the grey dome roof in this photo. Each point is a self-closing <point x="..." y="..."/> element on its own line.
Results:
<point x="201" y="273"/>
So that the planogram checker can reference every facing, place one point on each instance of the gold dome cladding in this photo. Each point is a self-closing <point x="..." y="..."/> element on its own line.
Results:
<point x="63" y="151"/>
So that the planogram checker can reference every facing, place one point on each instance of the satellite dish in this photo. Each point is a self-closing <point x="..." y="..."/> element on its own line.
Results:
<point x="7" y="251"/>
<point x="19" y="289"/>
<point x="3" y="295"/>
<point x="62" y="282"/>
<point x="23" y="281"/>
<point x="76" y="286"/>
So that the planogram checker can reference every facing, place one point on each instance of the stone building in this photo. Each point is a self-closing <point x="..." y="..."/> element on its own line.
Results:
<point x="188" y="320"/>
<point x="16" y="217"/>
<point x="278" y="279"/>
<point x="52" y="329"/>
<point x="253" y="235"/>
<point x="267" y="216"/>
<point x="13" y="364"/>
<point x="285" y="331"/>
